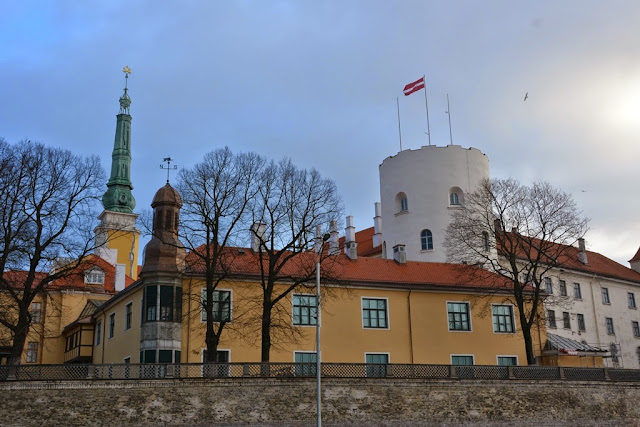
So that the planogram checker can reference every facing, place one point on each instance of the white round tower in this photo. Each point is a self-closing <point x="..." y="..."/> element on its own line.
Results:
<point x="418" y="191"/>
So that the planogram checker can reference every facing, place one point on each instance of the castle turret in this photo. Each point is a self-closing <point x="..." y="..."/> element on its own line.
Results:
<point x="117" y="236"/>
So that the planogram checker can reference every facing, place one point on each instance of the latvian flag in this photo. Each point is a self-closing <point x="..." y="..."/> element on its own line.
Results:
<point x="414" y="87"/>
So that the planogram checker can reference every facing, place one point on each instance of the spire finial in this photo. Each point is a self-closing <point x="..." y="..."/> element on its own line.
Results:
<point x="168" y="161"/>
<point x="125" y="101"/>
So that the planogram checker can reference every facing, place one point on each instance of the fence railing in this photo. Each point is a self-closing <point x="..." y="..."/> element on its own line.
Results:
<point x="302" y="370"/>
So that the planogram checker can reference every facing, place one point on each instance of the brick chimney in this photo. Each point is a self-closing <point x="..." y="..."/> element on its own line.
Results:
<point x="582" y="253"/>
<point x="377" y="225"/>
<point x="350" y="244"/>
<point x="399" y="254"/>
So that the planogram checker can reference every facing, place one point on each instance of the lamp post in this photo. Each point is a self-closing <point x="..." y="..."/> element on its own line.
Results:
<point x="319" y="246"/>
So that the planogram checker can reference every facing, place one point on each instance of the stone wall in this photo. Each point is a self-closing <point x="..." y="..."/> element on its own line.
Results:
<point x="345" y="401"/>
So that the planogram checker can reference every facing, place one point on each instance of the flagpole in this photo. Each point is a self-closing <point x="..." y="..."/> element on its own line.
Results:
<point x="399" y="131"/>
<point x="449" y="114"/>
<point x="426" y="104"/>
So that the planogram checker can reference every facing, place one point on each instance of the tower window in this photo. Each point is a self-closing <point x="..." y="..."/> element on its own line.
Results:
<point x="402" y="203"/>
<point x="426" y="240"/>
<point x="485" y="241"/>
<point x="456" y="197"/>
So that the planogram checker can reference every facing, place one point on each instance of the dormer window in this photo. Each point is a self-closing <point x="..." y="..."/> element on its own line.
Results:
<point x="94" y="277"/>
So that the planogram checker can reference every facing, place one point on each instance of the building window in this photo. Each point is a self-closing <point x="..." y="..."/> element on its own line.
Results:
<point x="566" y="320"/>
<point x="458" y="314"/>
<point x="94" y="277"/>
<point x="502" y="318"/>
<point x="426" y="240"/>
<point x="462" y="360"/>
<point x="374" y="313"/>
<point x="454" y="199"/>
<point x="127" y="316"/>
<point x="548" y="285"/>
<point x="581" y="326"/>
<point x="636" y="329"/>
<point x="32" y="352"/>
<point x="307" y="361"/>
<point x="305" y="310"/>
<point x="507" y="360"/>
<point x="221" y="309"/>
<point x="577" y="292"/>
<point x="485" y="241"/>
<point x="610" y="329"/>
<point x="605" y="296"/>
<point x="36" y="312"/>
<point x="563" y="288"/>
<point x="551" y="318"/>
<point x="167" y="298"/>
<point x="112" y="324"/>
<point x="378" y="364"/>
<point x="402" y="203"/>
<point x="632" y="299"/>
<point x="98" y="333"/>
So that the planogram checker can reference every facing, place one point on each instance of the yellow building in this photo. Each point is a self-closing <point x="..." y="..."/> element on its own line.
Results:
<point x="374" y="310"/>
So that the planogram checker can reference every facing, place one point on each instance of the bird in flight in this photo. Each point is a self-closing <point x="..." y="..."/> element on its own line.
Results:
<point x="526" y="95"/>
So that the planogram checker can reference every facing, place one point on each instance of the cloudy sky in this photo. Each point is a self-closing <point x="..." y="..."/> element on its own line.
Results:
<point x="317" y="81"/>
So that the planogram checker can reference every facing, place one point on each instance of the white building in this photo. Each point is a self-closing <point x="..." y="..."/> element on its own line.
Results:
<point x="418" y="190"/>
<point x="593" y="299"/>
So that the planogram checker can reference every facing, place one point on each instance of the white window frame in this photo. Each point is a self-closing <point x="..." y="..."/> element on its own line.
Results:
<point x="313" y="325"/>
<point x="124" y="359"/>
<point x="95" y="271"/>
<point x="32" y="352"/>
<point x="376" y="353"/>
<point x="38" y="311"/>
<point x="429" y="234"/>
<point x="513" y="319"/>
<point x="470" y="317"/>
<point x="473" y="358"/>
<point x="369" y="328"/>
<point x="112" y="331"/>
<point x="124" y="323"/>
<point x="507" y="355"/>
<point x="202" y="310"/>
<point x="203" y="349"/>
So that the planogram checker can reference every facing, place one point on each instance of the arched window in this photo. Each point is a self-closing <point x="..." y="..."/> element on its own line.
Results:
<point x="485" y="241"/>
<point x="402" y="203"/>
<point x="456" y="196"/>
<point x="426" y="240"/>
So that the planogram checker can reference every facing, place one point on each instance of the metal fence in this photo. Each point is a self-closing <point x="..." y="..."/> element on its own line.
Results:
<point x="302" y="370"/>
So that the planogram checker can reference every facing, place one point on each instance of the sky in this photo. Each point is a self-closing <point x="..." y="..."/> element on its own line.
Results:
<point x="317" y="81"/>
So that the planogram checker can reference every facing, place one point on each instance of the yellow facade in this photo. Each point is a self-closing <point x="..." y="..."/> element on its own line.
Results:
<point x="127" y="244"/>
<point x="417" y="330"/>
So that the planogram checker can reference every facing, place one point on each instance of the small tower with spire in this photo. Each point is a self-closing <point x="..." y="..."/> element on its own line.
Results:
<point x="117" y="235"/>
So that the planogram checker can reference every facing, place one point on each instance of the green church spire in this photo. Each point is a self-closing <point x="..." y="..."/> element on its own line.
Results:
<point x="118" y="197"/>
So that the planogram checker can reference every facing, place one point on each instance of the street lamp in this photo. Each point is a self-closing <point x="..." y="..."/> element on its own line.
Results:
<point x="319" y="246"/>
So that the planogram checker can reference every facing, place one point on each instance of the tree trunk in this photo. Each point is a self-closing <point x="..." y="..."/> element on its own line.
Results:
<point x="20" y="337"/>
<point x="528" y="343"/>
<point x="266" y="330"/>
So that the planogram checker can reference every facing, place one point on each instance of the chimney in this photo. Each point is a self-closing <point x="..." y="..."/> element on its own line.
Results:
<point x="399" y="255"/>
<point x="334" y="247"/>
<point x="120" y="271"/>
<point x="377" y="226"/>
<point x="257" y="235"/>
<point x="582" y="254"/>
<point x="350" y="244"/>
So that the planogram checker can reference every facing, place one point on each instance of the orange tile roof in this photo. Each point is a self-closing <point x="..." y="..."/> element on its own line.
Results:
<point x="597" y="263"/>
<point x="364" y="271"/>
<point x="364" y="238"/>
<point x="75" y="280"/>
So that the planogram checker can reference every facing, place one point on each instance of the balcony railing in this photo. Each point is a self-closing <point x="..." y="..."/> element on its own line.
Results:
<point x="70" y="372"/>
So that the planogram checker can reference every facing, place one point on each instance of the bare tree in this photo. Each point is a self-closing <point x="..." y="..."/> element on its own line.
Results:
<point x="289" y="205"/>
<point x="519" y="232"/>
<point x="46" y="221"/>
<point x="215" y="195"/>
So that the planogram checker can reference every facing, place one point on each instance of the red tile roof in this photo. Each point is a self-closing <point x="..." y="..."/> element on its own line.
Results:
<point x="365" y="271"/>
<point x="75" y="280"/>
<point x="364" y="238"/>
<point x="636" y="257"/>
